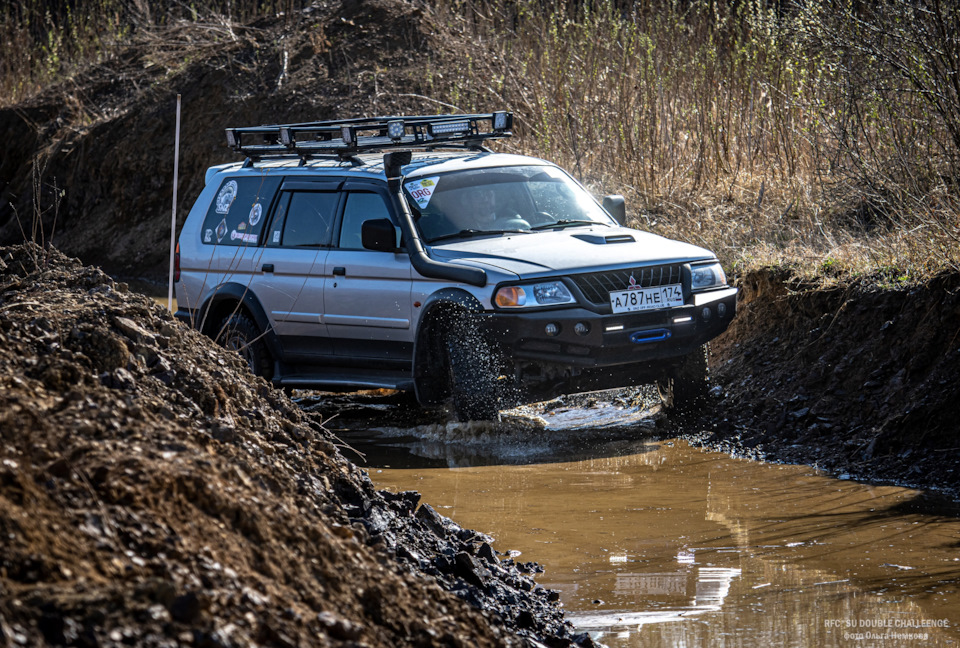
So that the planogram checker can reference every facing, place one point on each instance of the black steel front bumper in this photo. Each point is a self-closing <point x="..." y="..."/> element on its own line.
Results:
<point x="611" y="340"/>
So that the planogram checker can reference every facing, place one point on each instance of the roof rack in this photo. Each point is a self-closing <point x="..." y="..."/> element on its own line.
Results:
<point x="346" y="137"/>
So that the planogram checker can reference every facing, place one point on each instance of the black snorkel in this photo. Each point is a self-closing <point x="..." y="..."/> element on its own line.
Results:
<point x="393" y="163"/>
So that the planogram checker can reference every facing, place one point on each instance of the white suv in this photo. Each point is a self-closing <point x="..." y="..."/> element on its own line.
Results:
<point x="334" y="257"/>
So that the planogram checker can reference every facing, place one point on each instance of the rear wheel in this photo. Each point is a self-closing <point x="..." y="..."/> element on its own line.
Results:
<point x="472" y="372"/>
<point x="686" y="387"/>
<point x="241" y="334"/>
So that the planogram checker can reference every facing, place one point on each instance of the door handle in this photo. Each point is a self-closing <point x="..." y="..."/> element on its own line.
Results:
<point x="267" y="267"/>
<point x="339" y="271"/>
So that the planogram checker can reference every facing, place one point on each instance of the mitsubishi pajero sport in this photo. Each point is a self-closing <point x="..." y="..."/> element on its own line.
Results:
<point x="401" y="253"/>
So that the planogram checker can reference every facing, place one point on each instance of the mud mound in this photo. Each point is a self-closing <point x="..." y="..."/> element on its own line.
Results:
<point x="858" y="378"/>
<point x="154" y="493"/>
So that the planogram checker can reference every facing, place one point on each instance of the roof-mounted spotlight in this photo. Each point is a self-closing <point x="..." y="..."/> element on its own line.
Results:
<point x="502" y="120"/>
<point x="347" y="135"/>
<point x="231" y="138"/>
<point x="395" y="129"/>
<point x="286" y="137"/>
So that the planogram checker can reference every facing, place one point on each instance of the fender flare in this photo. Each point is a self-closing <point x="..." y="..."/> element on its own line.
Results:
<point x="232" y="292"/>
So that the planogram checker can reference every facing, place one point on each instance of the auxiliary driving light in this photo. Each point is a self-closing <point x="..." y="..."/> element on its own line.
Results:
<point x="395" y="129"/>
<point x="552" y="329"/>
<point x="347" y="134"/>
<point x="706" y="313"/>
<point x="581" y="328"/>
<point x="721" y="309"/>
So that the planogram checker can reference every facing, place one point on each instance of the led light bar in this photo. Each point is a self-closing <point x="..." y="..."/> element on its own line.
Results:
<point x="449" y="128"/>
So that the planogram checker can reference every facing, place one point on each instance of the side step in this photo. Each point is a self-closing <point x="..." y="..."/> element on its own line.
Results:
<point x="353" y="380"/>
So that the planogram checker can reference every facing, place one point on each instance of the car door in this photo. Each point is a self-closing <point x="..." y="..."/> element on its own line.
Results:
<point x="292" y="266"/>
<point x="367" y="293"/>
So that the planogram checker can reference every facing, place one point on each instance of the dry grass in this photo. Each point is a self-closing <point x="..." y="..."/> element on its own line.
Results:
<point x="768" y="132"/>
<point x="769" y="136"/>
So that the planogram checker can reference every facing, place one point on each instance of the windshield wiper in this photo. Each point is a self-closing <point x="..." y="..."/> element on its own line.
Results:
<point x="470" y="233"/>
<point x="568" y="222"/>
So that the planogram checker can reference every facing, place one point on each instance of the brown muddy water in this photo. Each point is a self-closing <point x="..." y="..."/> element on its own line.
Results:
<point x="654" y="543"/>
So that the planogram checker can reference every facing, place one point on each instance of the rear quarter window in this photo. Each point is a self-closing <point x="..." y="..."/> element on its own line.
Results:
<point x="238" y="211"/>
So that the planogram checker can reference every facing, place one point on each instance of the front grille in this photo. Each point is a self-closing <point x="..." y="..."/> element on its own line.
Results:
<point x="597" y="286"/>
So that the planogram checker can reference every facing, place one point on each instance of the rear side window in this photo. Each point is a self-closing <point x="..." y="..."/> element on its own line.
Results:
<point x="309" y="219"/>
<point x="238" y="211"/>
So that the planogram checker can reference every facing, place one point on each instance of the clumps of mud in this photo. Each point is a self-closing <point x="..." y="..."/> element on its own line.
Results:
<point x="154" y="493"/>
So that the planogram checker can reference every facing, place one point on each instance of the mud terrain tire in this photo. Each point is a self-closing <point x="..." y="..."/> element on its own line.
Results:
<point x="472" y="375"/>
<point x="242" y="335"/>
<point x="686" y="388"/>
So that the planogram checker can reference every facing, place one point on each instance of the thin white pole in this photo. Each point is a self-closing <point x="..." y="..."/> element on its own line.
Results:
<point x="173" y="217"/>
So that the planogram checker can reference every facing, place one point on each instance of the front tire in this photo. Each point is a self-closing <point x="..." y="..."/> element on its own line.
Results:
<point x="472" y="373"/>
<point x="239" y="333"/>
<point x="686" y="388"/>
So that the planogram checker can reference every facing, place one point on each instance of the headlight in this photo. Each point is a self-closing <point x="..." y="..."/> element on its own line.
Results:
<point x="707" y="276"/>
<point x="550" y="293"/>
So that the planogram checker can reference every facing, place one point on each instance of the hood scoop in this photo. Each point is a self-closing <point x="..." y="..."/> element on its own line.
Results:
<point x="604" y="240"/>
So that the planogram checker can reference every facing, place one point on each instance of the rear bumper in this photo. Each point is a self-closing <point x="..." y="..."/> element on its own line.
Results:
<point x="612" y="340"/>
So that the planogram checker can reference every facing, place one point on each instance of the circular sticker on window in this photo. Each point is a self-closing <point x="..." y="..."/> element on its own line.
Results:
<point x="255" y="213"/>
<point x="225" y="198"/>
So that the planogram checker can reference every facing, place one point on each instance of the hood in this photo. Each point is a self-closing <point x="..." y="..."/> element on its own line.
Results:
<point x="573" y="250"/>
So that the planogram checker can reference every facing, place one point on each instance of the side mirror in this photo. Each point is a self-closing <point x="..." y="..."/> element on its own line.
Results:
<point x="616" y="206"/>
<point x="379" y="234"/>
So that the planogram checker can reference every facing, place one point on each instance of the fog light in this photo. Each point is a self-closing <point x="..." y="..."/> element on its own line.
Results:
<point x="552" y="329"/>
<point x="706" y="313"/>
<point x="581" y="328"/>
<point x="721" y="309"/>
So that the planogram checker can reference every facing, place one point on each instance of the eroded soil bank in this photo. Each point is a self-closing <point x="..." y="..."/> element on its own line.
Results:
<point x="154" y="493"/>
<point x="856" y="378"/>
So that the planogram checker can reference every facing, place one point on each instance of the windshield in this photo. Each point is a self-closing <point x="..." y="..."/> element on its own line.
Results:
<point x="503" y="199"/>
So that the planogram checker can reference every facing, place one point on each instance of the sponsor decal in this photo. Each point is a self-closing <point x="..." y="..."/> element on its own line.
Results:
<point x="208" y="236"/>
<point x="246" y="238"/>
<point x="276" y="236"/>
<point x="422" y="190"/>
<point x="228" y="193"/>
<point x="255" y="213"/>
<point x="242" y="226"/>
<point x="221" y="230"/>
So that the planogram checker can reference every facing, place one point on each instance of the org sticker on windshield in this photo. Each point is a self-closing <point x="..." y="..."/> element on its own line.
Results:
<point x="422" y="190"/>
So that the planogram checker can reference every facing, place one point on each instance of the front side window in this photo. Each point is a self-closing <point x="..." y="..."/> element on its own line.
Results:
<point x="309" y="219"/>
<point x="360" y="207"/>
<point x="505" y="199"/>
<point x="238" y="211"/>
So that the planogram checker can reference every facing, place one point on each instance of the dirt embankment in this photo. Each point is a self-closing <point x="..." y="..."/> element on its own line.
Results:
<point x="105" y="138"/>
<point x="856" y="378"/>
<point x="154" y="493"/>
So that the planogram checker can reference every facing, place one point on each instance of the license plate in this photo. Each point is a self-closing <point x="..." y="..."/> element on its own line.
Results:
<point x="626" y="301"/>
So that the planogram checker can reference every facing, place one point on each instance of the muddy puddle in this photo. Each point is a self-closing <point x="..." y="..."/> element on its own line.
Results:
<point x="654" y="543"/>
